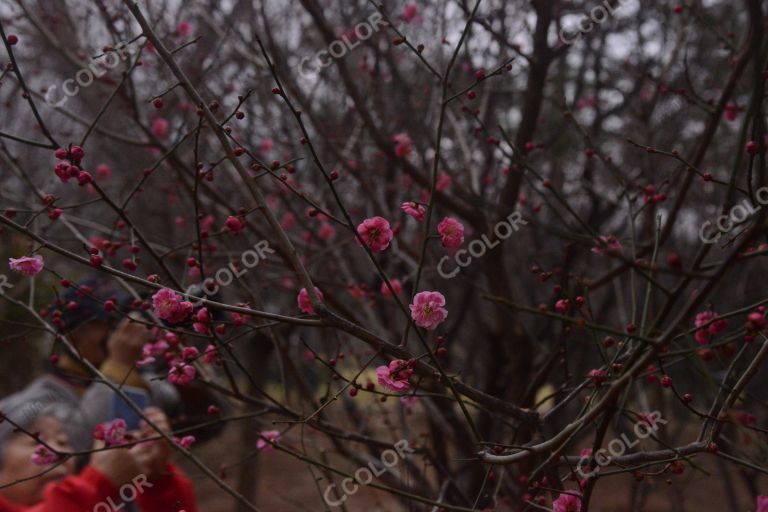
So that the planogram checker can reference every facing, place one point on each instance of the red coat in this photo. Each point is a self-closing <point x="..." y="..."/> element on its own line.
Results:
<point x="86" y="491"/>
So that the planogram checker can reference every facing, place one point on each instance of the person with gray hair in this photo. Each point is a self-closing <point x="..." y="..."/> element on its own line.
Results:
<point x="37" y="467"/>
<point x="21" y="410"/>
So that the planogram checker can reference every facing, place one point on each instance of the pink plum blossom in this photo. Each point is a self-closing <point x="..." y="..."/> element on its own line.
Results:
<point x="238" y="319"/>
<point x="394" y="376"/>
<point x="376" y="233"/>
<point x="189" y="354"/>
<point x="305" y="305"/>
<point x="29" y="266"/>
<point x="567" y="502"/>
<point x="181" y="373"/>
<point x="145" y="361"/>
<point x="150" y="350"/>
<point x="427" y="310"/>
<point x="451" y="233"/>
<point x="266" y="439"/>
<point x="169" y="306"/>
<point x="43" y="456"/>
<point x="211" y="353"/>
<point x="112" y="433"/>
<point x="202" y="324"/>
<point x="414" y="209"/>
<point x="201" y="328"/>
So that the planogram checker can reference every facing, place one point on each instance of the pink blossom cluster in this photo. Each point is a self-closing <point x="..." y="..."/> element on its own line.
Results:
<point x="43" y="456"/>
<point x="150" y="350"/>
<point x="395" y="375"/>
<point x="170" y="307"/>
<point x="202" y="321"/>
<point x="113" y="433"/>
<point x="69" y="166"/>
<point x="715" y="327"/>
<point x="181" y="373"/>
<point x="567" y="502"/>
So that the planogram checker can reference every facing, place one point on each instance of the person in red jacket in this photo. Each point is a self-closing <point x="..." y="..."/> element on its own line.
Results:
<point x="33" y="478"/>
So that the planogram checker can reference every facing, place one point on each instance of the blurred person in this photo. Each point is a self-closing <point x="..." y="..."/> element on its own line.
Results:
<point x="111" y="339"/>
<point x="109" y="343"/>
<point x="31" y="485"/>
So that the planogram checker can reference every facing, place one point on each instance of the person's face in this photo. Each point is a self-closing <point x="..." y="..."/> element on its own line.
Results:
<point x="17" y="462"/>
<point x="90" y="339"/>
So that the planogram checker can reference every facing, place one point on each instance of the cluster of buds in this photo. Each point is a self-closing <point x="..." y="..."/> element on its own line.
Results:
<point x="650" y="195"/>
<point x="69" y="166"/>
<point x="598" y="376"/>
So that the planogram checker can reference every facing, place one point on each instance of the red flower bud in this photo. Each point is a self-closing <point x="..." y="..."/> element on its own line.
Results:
<point x="77" y="152"/>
